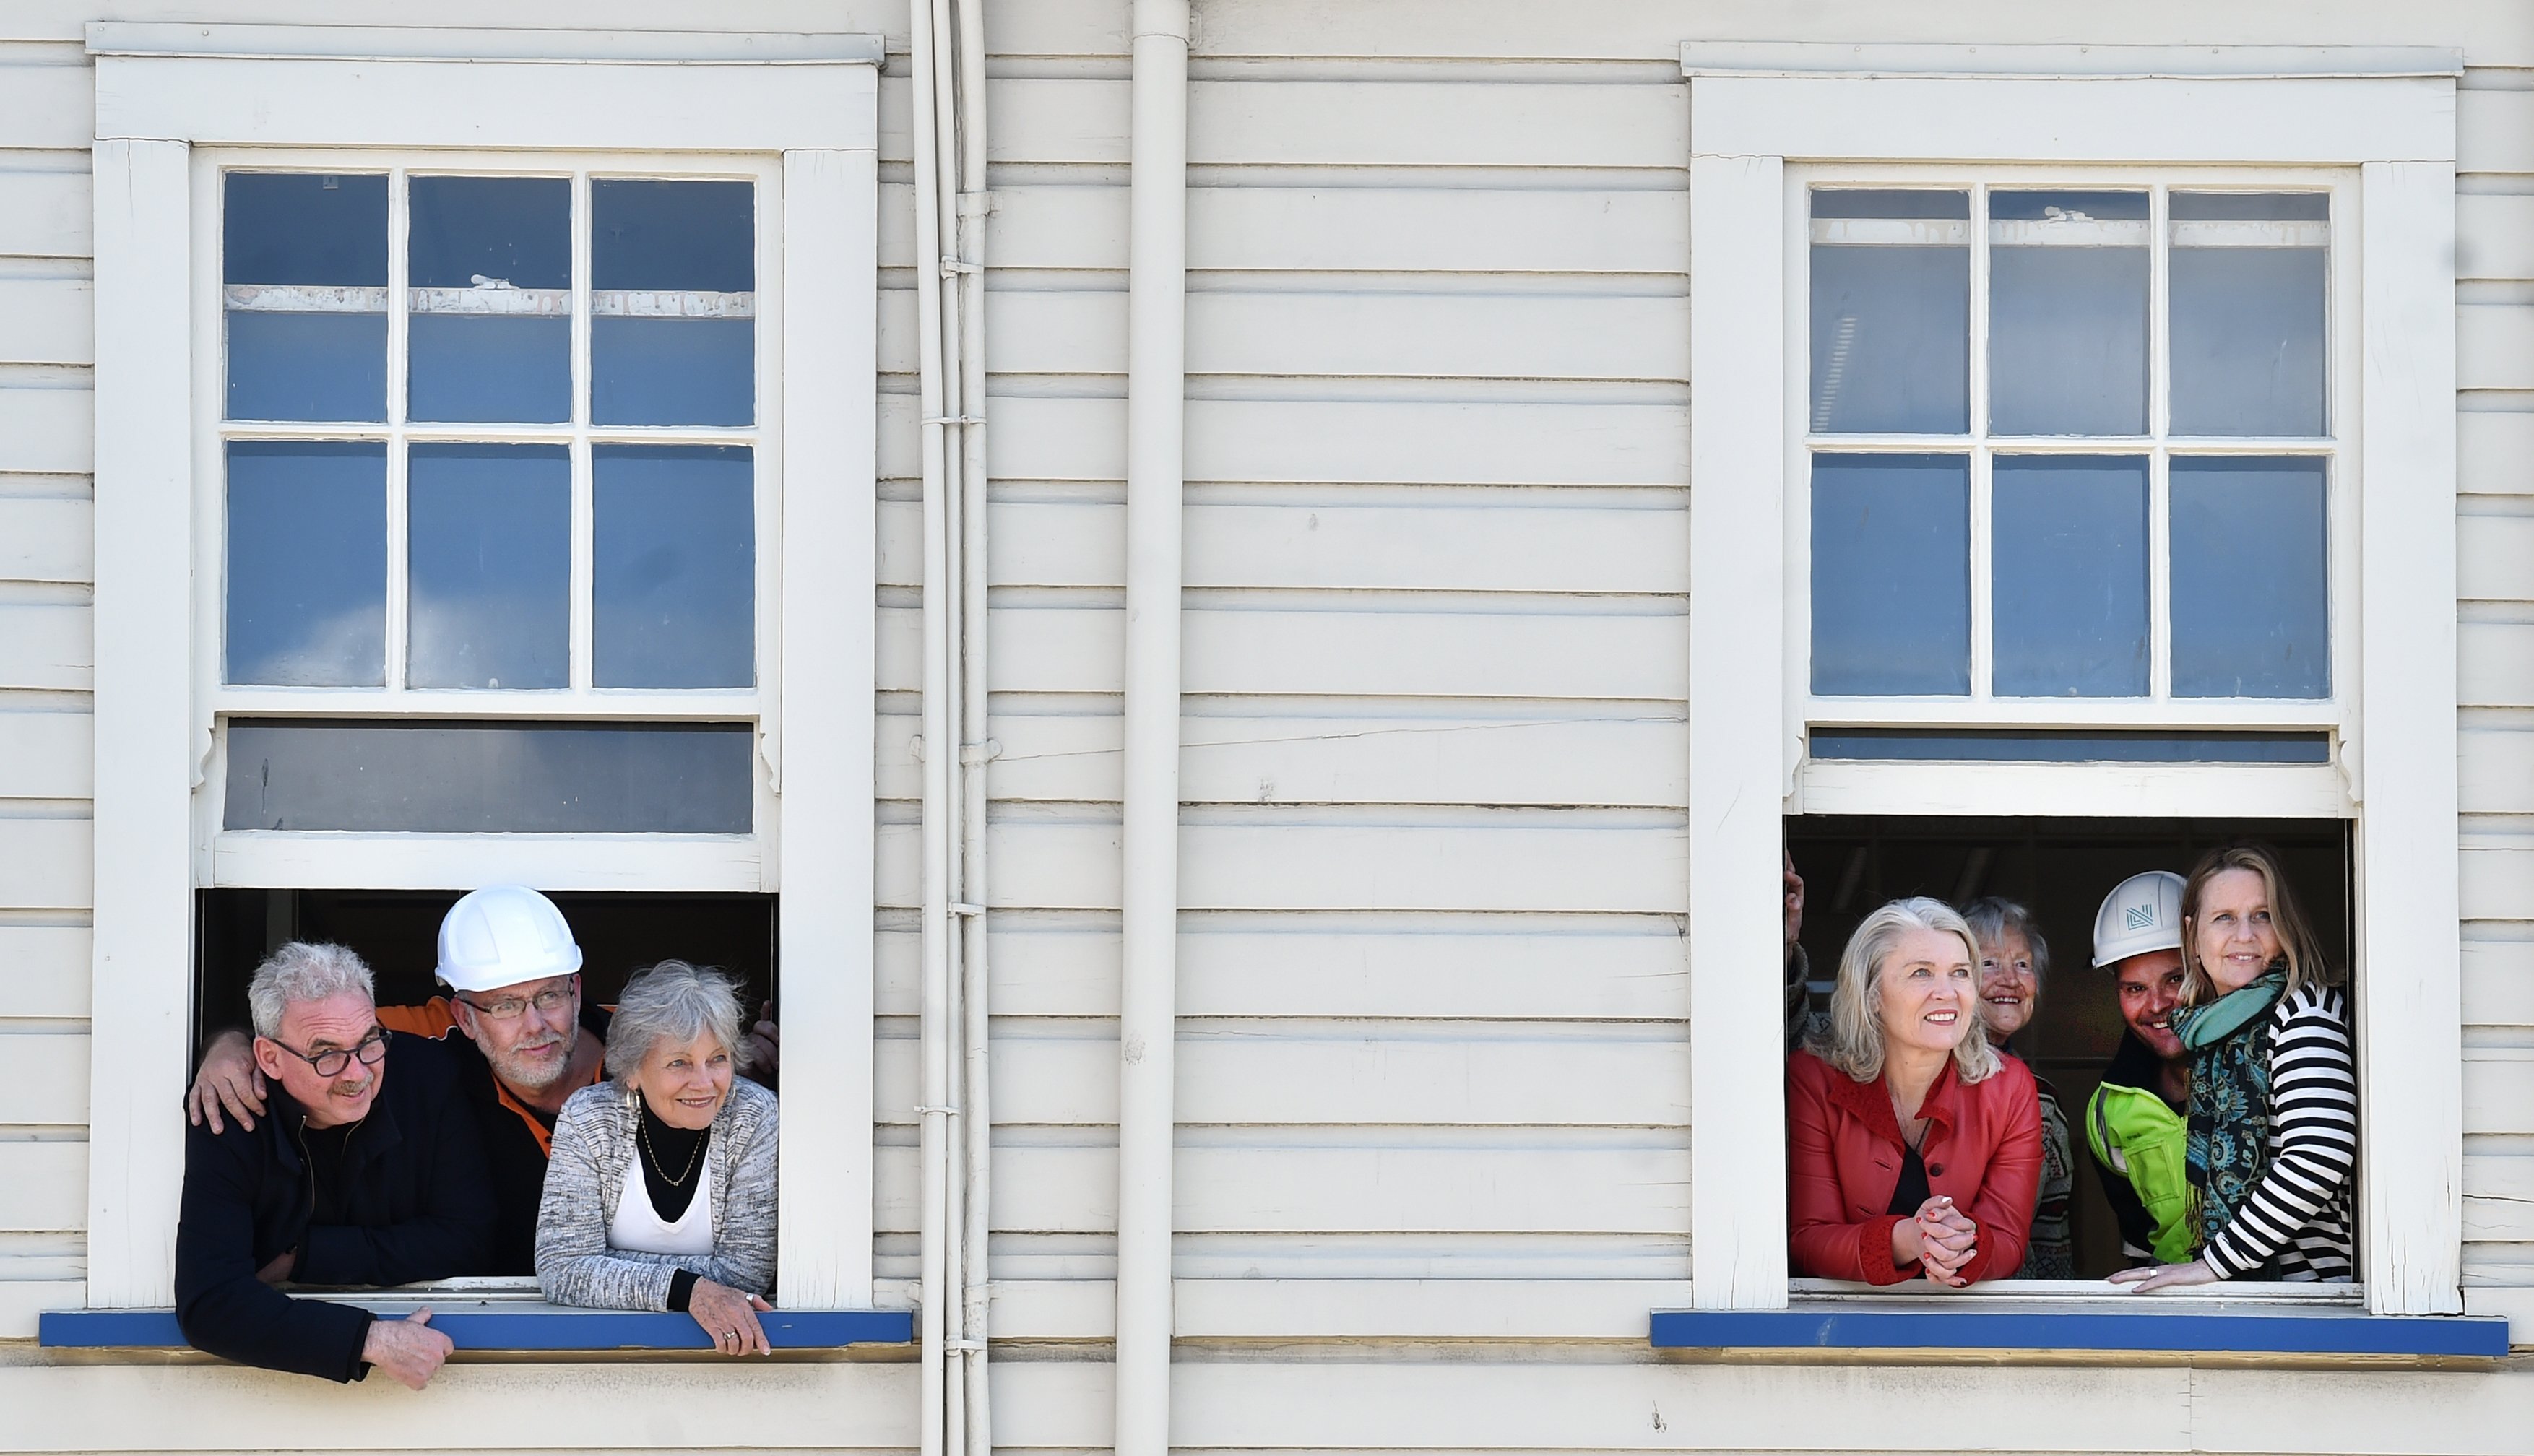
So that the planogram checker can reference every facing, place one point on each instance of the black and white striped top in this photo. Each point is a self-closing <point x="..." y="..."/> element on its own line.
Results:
<point x="2298" y="1216"/>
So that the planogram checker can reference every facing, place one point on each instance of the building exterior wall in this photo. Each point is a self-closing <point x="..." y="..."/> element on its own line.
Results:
<point x="1433" y="1081"/>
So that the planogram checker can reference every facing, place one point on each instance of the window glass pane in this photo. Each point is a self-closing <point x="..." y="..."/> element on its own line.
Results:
<point x="489" y="272"/>
<point x="676" y="571"/>
<point x="2068" y="575"/>
<point x="1891" y="312"/>
<point x="1891" y="575"/>
<point x="2067" y="296"/>
<point x="304" y="269"/>
<point x="307" y="564"/>
<point x="672" y="329"/>
<point x="2250" y="577"/>
<point x="524" y="778"/>
<point x="489" y="551"/>
<point x="2249" y="276"/>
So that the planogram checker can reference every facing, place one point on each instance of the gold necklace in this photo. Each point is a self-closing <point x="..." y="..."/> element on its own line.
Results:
<point x="642" y="1131"/>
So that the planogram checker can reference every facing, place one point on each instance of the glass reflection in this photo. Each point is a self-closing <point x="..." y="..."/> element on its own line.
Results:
<point x="489" y="558"/>
<point x="2068" y="576"/>
<point x="1891" y="312"/>
<point x="304" y="274"/>
<point x="2250" y="273"/>
<point x="490" y="281"/>
<point x="2251" y="579"/>
<point x="2067" y="313"/>
<point x="305" y="583"/>
<point x="1891" y="575"/>
<point x="673" y="273"/>
<point x="676" y="566"/>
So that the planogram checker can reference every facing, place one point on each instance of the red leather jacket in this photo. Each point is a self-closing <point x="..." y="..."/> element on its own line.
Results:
<point x="1982" y="1148"/>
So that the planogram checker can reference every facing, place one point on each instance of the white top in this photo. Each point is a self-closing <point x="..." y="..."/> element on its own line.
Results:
<point x="637" y="1226"/>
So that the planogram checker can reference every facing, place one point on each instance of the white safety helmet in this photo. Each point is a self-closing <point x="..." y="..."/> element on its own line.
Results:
<point x="2143" y="913"/>
<point x="505" y="935"/>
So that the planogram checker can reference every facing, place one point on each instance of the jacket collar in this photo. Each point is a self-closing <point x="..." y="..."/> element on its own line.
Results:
<point x="2134" y="1065"/>
<point x="378" y="1131"/>
<point x="1871" y="1101"/>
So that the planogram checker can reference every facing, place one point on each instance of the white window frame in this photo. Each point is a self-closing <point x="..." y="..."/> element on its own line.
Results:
<point x="174" y="103"/>
<point x="1760" y="117"/>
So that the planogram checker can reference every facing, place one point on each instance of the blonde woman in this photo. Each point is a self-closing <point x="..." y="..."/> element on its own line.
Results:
<point x="1915" y="1148"/>
<point x="2274" y="1119"/>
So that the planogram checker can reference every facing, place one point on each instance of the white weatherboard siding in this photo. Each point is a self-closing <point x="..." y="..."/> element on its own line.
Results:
<point x="1432" y="968"/>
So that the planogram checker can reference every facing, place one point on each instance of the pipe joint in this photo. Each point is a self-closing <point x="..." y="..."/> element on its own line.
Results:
<point x="1165" y="19"/>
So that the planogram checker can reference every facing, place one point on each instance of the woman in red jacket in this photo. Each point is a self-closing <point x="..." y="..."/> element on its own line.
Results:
<point x="1915" y="1149"/>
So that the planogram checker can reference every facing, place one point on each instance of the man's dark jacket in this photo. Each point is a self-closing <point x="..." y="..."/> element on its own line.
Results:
<point x="414" y="1204"/>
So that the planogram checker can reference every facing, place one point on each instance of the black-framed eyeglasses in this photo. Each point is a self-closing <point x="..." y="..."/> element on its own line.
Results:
<point x="512" y="1008"/>
<point x="371" y="1048"/>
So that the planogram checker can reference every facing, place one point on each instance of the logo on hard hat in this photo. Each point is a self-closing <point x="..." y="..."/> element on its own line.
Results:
<point x="2141" y="917"/>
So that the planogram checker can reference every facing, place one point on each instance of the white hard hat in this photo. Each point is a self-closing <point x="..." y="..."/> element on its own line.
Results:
<point x="505" y="935"/>
<point x="2143" y="913"/>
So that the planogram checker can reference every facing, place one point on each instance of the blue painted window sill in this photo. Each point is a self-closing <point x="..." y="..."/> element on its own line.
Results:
<point x="512" y="1325"/>
<point x="2170" y="1329"/>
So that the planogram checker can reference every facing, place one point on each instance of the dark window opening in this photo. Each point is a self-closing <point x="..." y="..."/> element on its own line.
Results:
<point x="398" y="932"/>
<point x="2059" y="869"/>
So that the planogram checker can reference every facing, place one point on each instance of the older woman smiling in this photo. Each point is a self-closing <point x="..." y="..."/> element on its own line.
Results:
<point x="1915" y="1149"/>
<point x="2012" y="959"/>
<point x="661" y="1191"/>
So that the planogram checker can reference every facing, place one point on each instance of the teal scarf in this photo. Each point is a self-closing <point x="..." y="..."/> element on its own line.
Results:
<point x="2229" y="1147"/>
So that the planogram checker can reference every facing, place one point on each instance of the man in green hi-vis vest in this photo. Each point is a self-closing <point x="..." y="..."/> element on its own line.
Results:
<point x="2134" y="1124"/>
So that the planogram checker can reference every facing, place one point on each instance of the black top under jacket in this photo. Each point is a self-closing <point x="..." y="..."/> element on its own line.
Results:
<point x="514" y="1154"/>
<point x="407" y="1192"/>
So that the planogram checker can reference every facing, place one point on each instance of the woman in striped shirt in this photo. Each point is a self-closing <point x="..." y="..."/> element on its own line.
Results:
<point x="2273" y="1092"/>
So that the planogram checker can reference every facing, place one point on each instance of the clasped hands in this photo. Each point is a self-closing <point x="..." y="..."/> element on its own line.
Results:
<point x="1940" y="1237"/>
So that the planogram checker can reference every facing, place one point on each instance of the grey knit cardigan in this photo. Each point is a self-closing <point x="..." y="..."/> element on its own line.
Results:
<point x="593" y="1155"/>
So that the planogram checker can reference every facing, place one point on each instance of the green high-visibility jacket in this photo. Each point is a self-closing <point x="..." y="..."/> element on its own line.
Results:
<point x="2135" y="1133"/>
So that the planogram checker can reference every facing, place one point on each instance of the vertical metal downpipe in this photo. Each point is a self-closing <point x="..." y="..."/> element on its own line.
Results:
<point x="1156" y="410"/>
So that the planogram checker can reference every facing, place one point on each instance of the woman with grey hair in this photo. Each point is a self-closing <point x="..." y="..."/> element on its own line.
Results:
<point x="2012" y="961"/>
<point x="1914" y="1150"/>
<point x="660" y="1194"/>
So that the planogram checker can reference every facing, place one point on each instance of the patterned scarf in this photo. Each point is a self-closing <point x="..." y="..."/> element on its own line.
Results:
<point x="2229" y="1041"/>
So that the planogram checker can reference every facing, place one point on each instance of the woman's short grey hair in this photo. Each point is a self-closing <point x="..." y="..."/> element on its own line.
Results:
<point x="1853" y="1041"/>
<point x="302" y="972"/>
<point x="674" y="1002"/>
<point x="1991" y="918"/>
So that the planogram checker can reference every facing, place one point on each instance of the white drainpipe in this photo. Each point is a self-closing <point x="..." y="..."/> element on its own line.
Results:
<point x="1156" y="410"/>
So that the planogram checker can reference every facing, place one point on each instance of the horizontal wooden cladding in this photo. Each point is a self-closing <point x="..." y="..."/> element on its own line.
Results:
<point x="2494" y="131"/>
<point x="48" y="429"/>
<point x="1335" y="123"/>
<point x="45" y="864"/>
<point x="47" y="107"/>
<point x="44" y="972"/>
<point x="1325" y="441"/>
<point x="1640" y="758"/>
<point x="1522" y="863"/>
<point x="46" y="538"/>
<point x="2498" y="980"/>
<point x="45" y="644"/>
<point x="2498" y="1197"/>
<point x="2497" y="1091"/>
<point x="1408" y="1189"/>
<point x="2495" y="342"/>
<point x="2495" y="234"/>
<point x="44" y="214"/>
<point x="2495" y="452"/>
<point x="43" y="1186"/>
<point x="1634" y="542"/>
<point x="2494" y="662"/>
<point x="47" y="1081"/>
<point x="2495" y="771"/>
<point x="45" y="754"/>
<point x="1250" y="1075"/>
<point x="51" y="320"/>
<point x="2495" y="557"/>
<point x="1335" y="229"/>
<point x="1492" y="967"/>
<point x="1368" y="651"/>
<point x="1365" y="1308"/>
<point x="1363" y="334"/>
<point x="2497" y="883"/>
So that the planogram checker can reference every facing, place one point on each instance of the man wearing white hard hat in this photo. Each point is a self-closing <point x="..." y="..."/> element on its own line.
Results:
<point x="514" y="973"/>
<point x="2136" y="1122"/>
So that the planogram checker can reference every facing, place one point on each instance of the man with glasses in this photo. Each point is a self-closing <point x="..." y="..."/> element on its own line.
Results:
<point x="365" y="1170"/>
<point x="525" y="1044"/>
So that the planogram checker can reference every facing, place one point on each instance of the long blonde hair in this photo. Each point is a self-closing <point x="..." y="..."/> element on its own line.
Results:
<point x="1852" y="1042"/>
<point x="2298" y="945"/>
